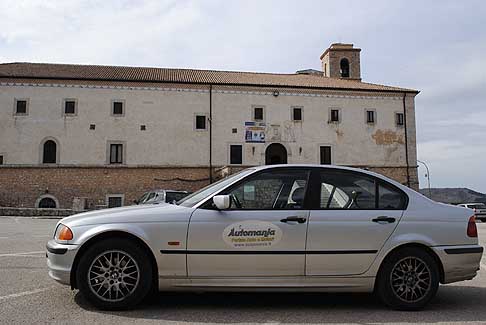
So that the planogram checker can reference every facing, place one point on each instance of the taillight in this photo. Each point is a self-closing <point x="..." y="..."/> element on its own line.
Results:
<point x="472" y="231"/>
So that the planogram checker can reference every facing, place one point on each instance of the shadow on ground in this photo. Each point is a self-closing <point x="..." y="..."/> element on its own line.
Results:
<point x="452" y="304"/>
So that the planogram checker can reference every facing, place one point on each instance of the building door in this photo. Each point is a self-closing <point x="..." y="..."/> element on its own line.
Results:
<point x="275" y="154"/>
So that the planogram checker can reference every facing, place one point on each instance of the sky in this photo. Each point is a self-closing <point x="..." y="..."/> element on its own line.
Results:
<point x="437" y="47"/>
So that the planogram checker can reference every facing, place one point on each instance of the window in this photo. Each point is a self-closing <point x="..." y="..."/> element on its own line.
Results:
<point x="114" y="201"/>
<point x="143" y="127"/>
<point x="92" y="126"/>
<point x="200" y="122"/>
<point x="281" y="189"/>
<point x="47" y="203"/>
<point x="236" y="154"/>
<point x="69" y="107"/>
<point x="370" y="117"/>
<point x="399" y="119"/>
<point x="116" y="153"/>
<point x="325" y="155"/>
<point x="258" y="113"/>
<point x="1" y="160"/>
<point x="334" y="116"/>
<point x="171" y="197"/>
<point x="297" y="114"/>
<point x="118" y="108"/>
<point x="344" y="65"/>
<point x="343" y="190"/>
<point x="346" y="190"/>
<point x="390" y="199"/>
<point x="21" y="107"/>
<point x="49" y="152"/>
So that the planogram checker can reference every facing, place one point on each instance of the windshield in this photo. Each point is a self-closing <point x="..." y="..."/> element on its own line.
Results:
<point x="193" y="199"/>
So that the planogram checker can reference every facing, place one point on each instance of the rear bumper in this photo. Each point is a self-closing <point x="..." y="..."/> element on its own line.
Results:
<point x="60" y="259"/>
<point x="459" y="262"/>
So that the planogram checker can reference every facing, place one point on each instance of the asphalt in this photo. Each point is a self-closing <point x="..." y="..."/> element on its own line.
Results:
<point x="28" y="295"/>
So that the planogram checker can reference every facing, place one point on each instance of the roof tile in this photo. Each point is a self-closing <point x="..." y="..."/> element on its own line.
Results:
<point x="158" y="75"/>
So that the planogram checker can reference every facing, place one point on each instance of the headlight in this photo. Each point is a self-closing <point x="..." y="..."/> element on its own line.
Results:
<point x="63" y="233"/>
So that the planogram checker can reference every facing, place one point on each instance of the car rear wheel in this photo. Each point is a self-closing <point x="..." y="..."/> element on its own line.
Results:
<point x="114" y="274"/>
<point x="408" y="279"/>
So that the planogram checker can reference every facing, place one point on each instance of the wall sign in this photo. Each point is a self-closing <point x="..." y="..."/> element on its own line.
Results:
<point x="255" y="132"/>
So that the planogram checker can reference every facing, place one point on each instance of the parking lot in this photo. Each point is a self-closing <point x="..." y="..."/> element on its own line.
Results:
<point x="28" y="295"/>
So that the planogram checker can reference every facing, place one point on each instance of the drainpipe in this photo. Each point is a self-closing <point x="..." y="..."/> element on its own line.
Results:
<point x="210" y="134"/>
<point x="406" y="137"/>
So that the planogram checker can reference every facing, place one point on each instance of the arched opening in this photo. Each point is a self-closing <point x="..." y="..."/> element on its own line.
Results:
<point x="47" y="203"/>
<point x="49" y="152"/>
<point x="344" y="68"/>
<point x="275" y="154"/>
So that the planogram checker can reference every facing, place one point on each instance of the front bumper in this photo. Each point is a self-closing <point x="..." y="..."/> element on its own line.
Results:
<point x="60" y="258"/>
<point x="459" y="262"/>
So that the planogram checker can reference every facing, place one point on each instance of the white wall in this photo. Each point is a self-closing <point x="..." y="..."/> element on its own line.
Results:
<point x="170" y="138"/>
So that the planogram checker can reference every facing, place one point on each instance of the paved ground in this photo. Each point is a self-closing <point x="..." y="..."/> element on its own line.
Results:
<point x="27" y="295"/>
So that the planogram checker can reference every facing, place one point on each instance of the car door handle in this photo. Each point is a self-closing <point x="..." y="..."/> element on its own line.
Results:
<point x="384" y="219"/>
<point x="294" y="219"/>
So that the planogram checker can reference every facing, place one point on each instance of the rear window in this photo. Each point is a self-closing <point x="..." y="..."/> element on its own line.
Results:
<point x="171" y="197"/>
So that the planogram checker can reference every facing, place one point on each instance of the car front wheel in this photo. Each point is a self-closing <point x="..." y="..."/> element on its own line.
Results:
<point x="408" y="279"/>
<point x="114" y="274"/>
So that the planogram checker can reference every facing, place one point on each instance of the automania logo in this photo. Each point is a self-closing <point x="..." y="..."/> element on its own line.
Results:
<point x="250" y="233"/>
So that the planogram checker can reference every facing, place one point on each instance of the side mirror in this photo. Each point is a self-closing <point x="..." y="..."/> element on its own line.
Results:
<point x="222" y="202"/>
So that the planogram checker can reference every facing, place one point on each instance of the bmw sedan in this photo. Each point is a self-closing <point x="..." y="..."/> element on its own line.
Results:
<point x="280" y="227"/>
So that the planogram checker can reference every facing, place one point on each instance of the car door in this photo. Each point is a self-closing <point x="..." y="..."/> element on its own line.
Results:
<point x="353" y="214"/>
<point x="262" y="234"/>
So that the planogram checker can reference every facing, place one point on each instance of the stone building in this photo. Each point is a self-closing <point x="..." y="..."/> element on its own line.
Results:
<point x="107" y="134"/>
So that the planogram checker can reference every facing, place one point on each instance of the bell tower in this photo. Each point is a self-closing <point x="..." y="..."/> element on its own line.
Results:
<point x="341" y="61"/>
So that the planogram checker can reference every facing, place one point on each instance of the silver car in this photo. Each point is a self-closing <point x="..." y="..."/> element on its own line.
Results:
<point x="161" y="196"/>
<point x="280" y="227"/>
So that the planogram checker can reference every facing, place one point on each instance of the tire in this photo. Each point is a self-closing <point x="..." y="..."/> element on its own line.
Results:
<point x="401" y="290"/>
<point x="120" y="285"/>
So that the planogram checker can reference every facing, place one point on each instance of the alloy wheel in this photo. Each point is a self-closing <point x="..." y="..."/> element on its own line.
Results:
<point x="410" y="279"/>
<point x="113" y="275"/>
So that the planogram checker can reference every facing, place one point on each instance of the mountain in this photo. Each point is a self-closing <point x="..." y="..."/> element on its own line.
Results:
<point x="454" y="195"/>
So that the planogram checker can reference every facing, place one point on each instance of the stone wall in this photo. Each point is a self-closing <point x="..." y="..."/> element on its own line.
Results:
<point x="33" y="212"/>
<point x="399" y="174"/>
<point x="22" y="186"/>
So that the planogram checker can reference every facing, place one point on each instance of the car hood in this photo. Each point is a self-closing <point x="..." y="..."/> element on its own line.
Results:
<point x="134" y="213"/>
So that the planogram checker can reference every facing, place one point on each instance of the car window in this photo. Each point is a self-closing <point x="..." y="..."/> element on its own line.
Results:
<point x="347" y="190"/>
<point x="196" y="197"/>
<point x="342" y="190"/>
<point x="276" y="189"/>
<point x="170" y="197"/>
<point x="143" y="198"/>
<point x="389" y="198"/>
<point x="150" y="196"/>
